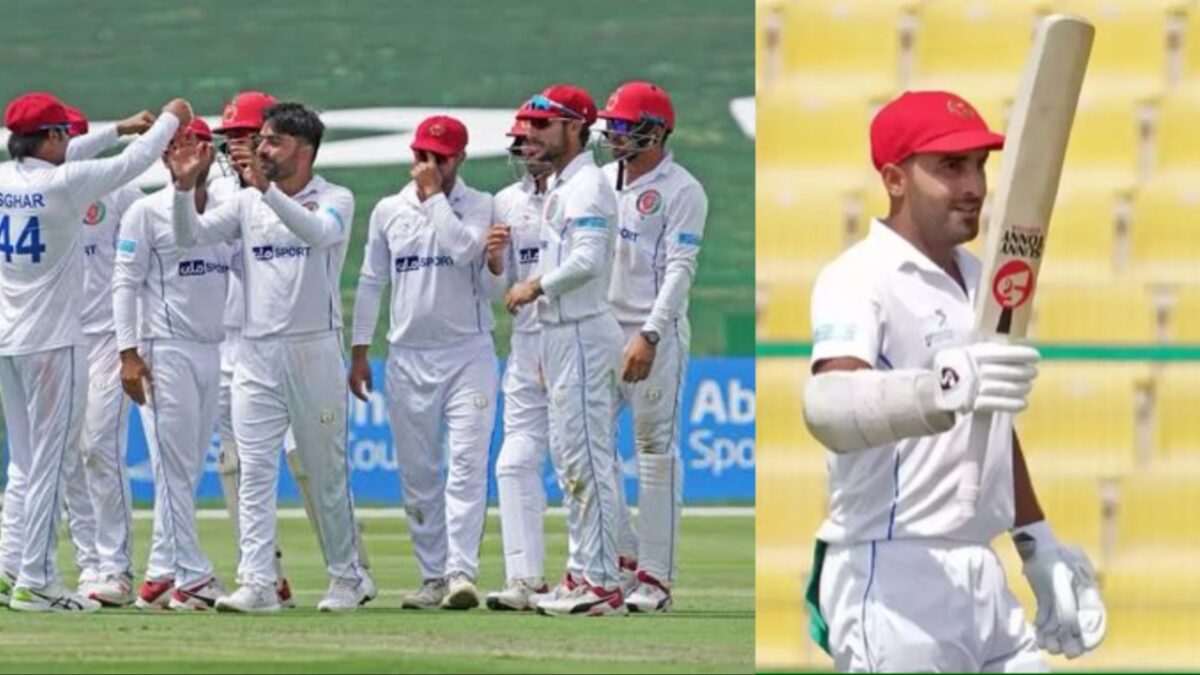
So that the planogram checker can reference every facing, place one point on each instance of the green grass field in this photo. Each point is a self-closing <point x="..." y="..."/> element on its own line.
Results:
<point x="712" y="629"/>
<point x="113" y="58"/>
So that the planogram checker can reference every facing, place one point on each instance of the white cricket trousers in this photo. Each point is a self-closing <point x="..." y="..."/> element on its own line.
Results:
<point x="298" y="381"/>
<point x="178" y="420"/>
<point x="922" y="605"/>
<point x="44" y="395"/>
<point x="655" y="403"/>
<point x="580" y="361"/>
<point x="522" y="459"/>
<point x="103" y="446"/>
<point x="454" y="386"/>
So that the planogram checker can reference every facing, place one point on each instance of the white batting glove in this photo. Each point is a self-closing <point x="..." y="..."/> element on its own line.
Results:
<point x="1071" y="618"/>
<point x="985" y="377"/>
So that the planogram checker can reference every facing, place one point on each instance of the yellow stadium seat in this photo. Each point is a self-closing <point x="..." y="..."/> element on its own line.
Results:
<point x="780" y="405"/>
<point x="801" y="225"/>
<point x="791" y="495"/>
<point x="1157" y="508"/>
<point x="1177" y="402"/>
<point x="842" y="46"/>
<point x="1164" y="237"/>
<point x="795" y="125"/>
<point x="1073" y="504"/>
<point x="1177" y="135"/>
<point x="978" y="45"/>
<point x="1129" y="54"/>
<point x="1081" y="246"/>
<point x="1112" y="313"/>
<point x="787" y="315"/>
<point x="1081" y="419"/>
<point x="1105" y="145"/>
<point x="1183" y="317"/>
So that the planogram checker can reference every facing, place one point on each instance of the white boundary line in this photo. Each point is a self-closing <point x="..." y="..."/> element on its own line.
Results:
<point x="370" y="513"/>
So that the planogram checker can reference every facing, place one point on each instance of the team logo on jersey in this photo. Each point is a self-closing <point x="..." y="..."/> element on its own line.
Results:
<point x="326" y="417"/>
<point x="528" y="256"/>
<point x="550" y="213"/>
<point x="270" y="252"/>
<point x="412" y="263"/>
<point x="649" y="202"/>
<point x="95" y="214"/>
<point x="198" y="268"/>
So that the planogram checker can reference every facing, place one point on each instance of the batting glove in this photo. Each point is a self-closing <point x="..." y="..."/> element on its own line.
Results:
<point x="985" y="377"/>
<point x="1071" y="618"/>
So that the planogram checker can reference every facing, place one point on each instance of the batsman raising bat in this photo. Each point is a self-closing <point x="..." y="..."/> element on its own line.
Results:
<point x="904" y="578"/>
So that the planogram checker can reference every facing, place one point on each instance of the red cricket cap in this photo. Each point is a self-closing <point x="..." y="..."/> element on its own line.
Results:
<point x="34" y="111"/>
<point x="519" y="128"/>
<point x="245" y="111"/>
<point x="200" y="129"/>
<point x="636" y="101"/>
<point x="560" y="101"/>
<point x="928" y="121"/>
<point x="79" y="122"/>
<point x="442" y="135"/>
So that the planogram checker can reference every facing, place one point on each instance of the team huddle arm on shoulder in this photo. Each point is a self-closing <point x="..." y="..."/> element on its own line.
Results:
<point x="92" y="179"/>
<point x="463" y="238"/>
<point x="327" y="225"/>
<point x="685" y="230"/>
<point x="372" y="280"/>
<point x="92" y="143"/>
<point x="131" y="266"/>
<point x="216" y="225"/>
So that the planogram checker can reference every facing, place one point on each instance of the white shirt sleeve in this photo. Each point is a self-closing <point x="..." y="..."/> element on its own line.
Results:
<point x="847" y="316"/>
<point x="216" y="225"/>
<point x="90" y="180"/>
<point x="92" y="143"/>
<point x="130" y="269"/>
<point x="373" y="278"/>
<point x="326" y="226"/>
<point x="463" y="239"/>
<point x="589" y="223"/>
<point x="685" y="230"/>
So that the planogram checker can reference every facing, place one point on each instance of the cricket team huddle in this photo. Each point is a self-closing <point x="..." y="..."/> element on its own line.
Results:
<point x="215" y="302"/>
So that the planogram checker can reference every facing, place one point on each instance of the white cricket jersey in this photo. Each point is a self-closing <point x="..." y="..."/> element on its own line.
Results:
<point x="885" y="303"/>
<point x="658" y="244"/>
<point x="221" y="189"/>
<point x="579" y="221"/>
<point x="432" y="252"/>
<point x="292" y="252"/>
<point x="41" y="253"/>
<point x="180" y="292"/>
<point x="520" y="207"/>
<point x="101" y="222"/>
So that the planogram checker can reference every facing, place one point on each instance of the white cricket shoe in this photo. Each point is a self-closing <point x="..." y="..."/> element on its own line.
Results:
<point x="518" y="595"/>
<point x="8" y="582"/>
<point x="461" y="593"/>
<point x="115" y="591"/>
<point x="53" y="599"/>
<point x="651" y="595"/>
<point x="561" y="590"/>
<point x="198" y="597"/>
<point x="89" y="580"/>
<point x="586" y="600"/>
<point x="155" y="593"/>
<point x="429" y="596"/>
<point x="250" y="599"/>
<point x="628" y="580"/>
<point x="344" y="596"/>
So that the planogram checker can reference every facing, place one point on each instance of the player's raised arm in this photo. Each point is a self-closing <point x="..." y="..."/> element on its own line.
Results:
<point x="187" y="162"/>
<point x="327" y="225"/>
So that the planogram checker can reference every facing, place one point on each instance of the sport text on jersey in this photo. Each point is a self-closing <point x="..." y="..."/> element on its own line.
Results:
<point x="412" y="263"/>
<point x="271" y="252"/>
<point x="529" y="256"/>
<point x="196" y="268"/>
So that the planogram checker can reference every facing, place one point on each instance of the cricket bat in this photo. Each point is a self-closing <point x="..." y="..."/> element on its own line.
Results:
<point x="1034" y="148"/>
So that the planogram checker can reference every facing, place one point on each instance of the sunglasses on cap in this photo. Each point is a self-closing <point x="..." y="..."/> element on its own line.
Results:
<point x="65" y="128"/>
<point x="541" y="102"/>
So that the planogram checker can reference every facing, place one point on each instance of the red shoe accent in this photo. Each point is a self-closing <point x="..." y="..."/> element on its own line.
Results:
<point x="571" y="582"/>
<point x="152" y="589"/>
<point x="647" y="578"/>
<point x="627" y="563"/>
<point x="611" y="597"/>
<point x="284" y="590"/>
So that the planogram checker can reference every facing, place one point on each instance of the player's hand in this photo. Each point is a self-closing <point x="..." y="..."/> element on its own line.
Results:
<point x="985" y="377"/>
<point x="136" y="124"/>
<point x="637" y="360"/>
<point x="522" y="294"/>
<point x="1071" y="618"/>
<point x="428" y="176"/>
<point x="360" y="378"/>
<point x="245" y="160"/>
<point x="497" y="243"/>
<point x="180" y="108"/>
<point x="187" y="161"/>
<point x="134" y="374"/>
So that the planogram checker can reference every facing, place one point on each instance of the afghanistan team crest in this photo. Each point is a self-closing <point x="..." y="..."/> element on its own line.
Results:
<point x="649" y="202"/>
<point x="95" y="214"/>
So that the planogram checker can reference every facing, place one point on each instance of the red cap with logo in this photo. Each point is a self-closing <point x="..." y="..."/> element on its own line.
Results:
<point x="560" y="101"/>
<point x="200" y="129"/>
<point x="245" y="111"/>
<point x="79" y="123"/>
<point x="928" y="121"/>
<point x="35" y="111"/>
<point x="442" y="135"/>
<point x="638" y="101"/>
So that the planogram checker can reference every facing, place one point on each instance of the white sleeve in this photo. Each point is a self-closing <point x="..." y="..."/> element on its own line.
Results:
<point x="847" y="317"/>
<point x="130" y="269"/>
<point x="373" y="278"/>
<point x="91" y="179"/>
<point x="216" y="225"/>
<point x="324" y="227"/>
<point x="464" y="238"/>
<point x="685" y="230"/>
<point x="92" y="143"/>
<point x="590" y="218"/>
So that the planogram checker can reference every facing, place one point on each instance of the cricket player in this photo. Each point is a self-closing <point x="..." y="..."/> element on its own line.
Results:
<point x="428" y="242"/>
<point x="513" y="249"/>
<point x="901" y="581"/>
<point x="581" y="341"/>
<point x="168" y="302"/>
<point x="293" y="226"/>
<point x="662" y="213"/>
<point x="43" y="366"/>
